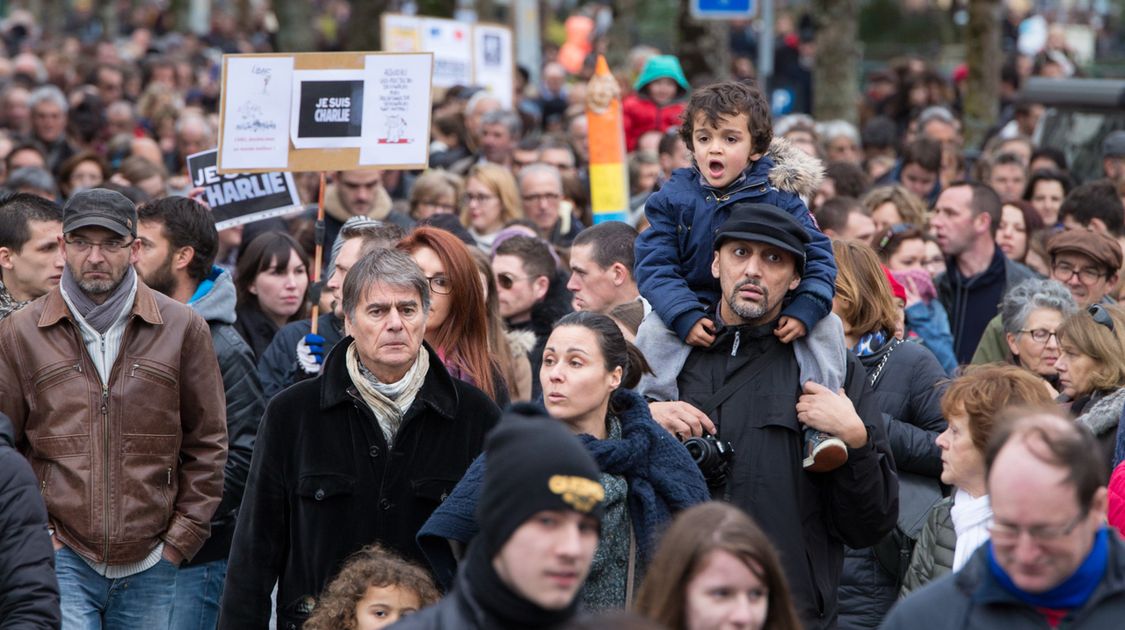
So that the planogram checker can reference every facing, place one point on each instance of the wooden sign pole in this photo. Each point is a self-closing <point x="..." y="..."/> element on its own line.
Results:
<point x="319" y="255"/>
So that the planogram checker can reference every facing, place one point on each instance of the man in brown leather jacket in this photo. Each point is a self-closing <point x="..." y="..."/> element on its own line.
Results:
<point x="117" y="401"/>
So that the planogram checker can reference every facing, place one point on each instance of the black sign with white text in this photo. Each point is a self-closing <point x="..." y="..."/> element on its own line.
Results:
<point x="241" y="198"/>
<point x="330" y="109"/>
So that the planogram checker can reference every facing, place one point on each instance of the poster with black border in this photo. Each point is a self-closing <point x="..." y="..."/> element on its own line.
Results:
<point x="327" y="109"/>
<point x="241" y="198"/>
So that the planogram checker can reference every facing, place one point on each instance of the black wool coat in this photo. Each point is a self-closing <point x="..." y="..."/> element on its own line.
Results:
<point x="324" y="483"/>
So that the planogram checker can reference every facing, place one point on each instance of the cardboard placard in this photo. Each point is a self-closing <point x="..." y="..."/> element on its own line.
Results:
<point x="323" y="112"/>
<point x="236" y="199"/>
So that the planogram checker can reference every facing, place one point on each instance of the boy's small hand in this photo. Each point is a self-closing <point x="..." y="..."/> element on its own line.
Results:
<point x="702" y="333"/>
<point x="789" y="329"/>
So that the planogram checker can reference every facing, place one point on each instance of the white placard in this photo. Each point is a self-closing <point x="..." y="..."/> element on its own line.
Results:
<point x="451" y="43"/>
<point x="492" y="61"/>
<point x="402" y="33"/>
<point x="396" y="111"/>
<point x="327" y="109"/>
<point x="257" y="113"/>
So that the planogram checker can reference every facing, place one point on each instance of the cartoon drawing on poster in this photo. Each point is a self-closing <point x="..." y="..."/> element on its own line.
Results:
<point x="493" y="64"/>
<point x="398" y="109"/>
<point x="257" y="99"/>
<point x="328" y="108"/>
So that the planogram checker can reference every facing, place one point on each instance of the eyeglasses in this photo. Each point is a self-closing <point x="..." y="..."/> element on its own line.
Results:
<point x="1040" y="335"/>
<point x="444" y="207"/>
<point x="1101" y="316"/>
<point x="468" y="198"/>
<point x="1007" y="534"/>
<point x="552" y="197"/>
<point x="111" y="246"/>
<point x="1063" y="272"/>
<point x="440" y="285"/>
<point x="506" y="280"/>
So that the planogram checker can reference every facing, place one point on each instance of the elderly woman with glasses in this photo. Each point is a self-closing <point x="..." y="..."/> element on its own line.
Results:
<point x="1091" y="369"/>
<point x="958" y="524"/>
<point x="1031" y="314"/>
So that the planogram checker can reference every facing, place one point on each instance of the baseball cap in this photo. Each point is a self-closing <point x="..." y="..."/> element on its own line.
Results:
<point x="1114" y="144"/>
<point x="100" y="207"/>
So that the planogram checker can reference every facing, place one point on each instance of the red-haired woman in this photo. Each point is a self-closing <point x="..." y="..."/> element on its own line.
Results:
<point x="457" y="325"/>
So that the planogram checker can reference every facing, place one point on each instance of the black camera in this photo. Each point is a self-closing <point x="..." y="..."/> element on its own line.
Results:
<point x="712" y="456"/>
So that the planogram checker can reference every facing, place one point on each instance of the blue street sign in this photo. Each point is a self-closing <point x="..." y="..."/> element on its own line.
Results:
<point x="723" y="9"/>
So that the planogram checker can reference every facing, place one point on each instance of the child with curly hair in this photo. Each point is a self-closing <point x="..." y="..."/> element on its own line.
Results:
<point x="374" y="589"/>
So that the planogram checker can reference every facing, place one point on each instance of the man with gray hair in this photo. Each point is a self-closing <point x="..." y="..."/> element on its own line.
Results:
<point x="363" y="454"/>
<point x="541" y="188"/>
<point x="48" y="124"/>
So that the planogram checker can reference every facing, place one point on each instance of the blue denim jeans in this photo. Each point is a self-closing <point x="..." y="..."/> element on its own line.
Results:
<point x="199" y="589"/>
<point x="93" y="602"/>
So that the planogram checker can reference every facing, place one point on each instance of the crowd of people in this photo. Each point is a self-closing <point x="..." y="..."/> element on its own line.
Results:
<point x="825" y="376"/>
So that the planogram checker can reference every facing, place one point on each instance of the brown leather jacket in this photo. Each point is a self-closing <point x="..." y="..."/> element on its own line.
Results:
<point x="140" y="461"/>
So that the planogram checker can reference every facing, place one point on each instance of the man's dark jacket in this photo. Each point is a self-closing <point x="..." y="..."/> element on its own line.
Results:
<point x="244" y="409"/>
<point x="29" y="592"/>
<point x="323" y="483"/>
<point x="809" y="517"/>
<point x="971" y="599"/>
<point x="972" y="302"/>
<point x="278" y="366"/>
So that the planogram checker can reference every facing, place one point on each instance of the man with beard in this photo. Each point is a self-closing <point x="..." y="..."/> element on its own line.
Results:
<point x="177" y="255"/>
<point x="748" y="384"/>
<point x="116" y="400"/>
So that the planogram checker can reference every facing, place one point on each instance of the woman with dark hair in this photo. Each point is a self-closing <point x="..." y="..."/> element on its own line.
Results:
<point x="715" y="569"/>
<point x="908" y="382"/>
<point x="82" y="171"/>
<point x="587" y="372"/>
<point x="902" y="250"/>
<point x="1046" y="190"/>
<point x="1018" y="222"/>
<point x="272" y="281"/>
<point x="457" y="324"/>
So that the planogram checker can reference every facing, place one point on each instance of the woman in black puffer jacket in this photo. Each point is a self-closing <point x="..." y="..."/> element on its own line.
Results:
<point x="908" y="383"/>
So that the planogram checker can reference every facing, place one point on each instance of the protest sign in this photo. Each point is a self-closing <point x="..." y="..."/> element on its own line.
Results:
<point x="236" y="199"/>
<point x="493" y="61"/>
<point x="328" y="109"/>
<point x="255" y="135"/>
<point x="323" y="108"/>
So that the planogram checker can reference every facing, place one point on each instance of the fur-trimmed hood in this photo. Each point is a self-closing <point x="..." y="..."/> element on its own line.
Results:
<point x="794" y="170"/>
<point x="520" y="341"/>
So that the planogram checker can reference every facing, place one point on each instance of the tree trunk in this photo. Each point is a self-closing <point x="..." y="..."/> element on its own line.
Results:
<point x="982" y="53"/>
<point x="697" y="48"/>
<point x="835" y="81"/>
<point x="623" y="34"/>
<point x="437" y="8"/>
<point x="295" y="25"/>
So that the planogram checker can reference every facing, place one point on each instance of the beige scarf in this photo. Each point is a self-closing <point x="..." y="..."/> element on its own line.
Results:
<point x="388" y="401"/>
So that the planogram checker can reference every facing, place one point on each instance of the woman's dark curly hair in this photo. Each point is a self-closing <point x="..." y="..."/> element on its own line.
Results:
<point x="371" y="566"/>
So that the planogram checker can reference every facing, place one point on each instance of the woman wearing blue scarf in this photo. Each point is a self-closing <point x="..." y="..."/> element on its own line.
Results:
<point x="908" y="382"/>
<point x="587" y="371"/>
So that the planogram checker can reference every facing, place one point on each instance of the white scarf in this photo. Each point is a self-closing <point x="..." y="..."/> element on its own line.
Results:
<point x="388" y="401"/>
<point x="971" y="519"/>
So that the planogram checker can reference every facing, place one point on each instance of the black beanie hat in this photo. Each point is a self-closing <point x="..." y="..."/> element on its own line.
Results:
<point x="533" y="463"/>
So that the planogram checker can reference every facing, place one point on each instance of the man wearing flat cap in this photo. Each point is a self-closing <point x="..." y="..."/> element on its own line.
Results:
<point x="1086" y="261"/>
<point x="748" y="383"/>
<point x="117" y="402"/>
